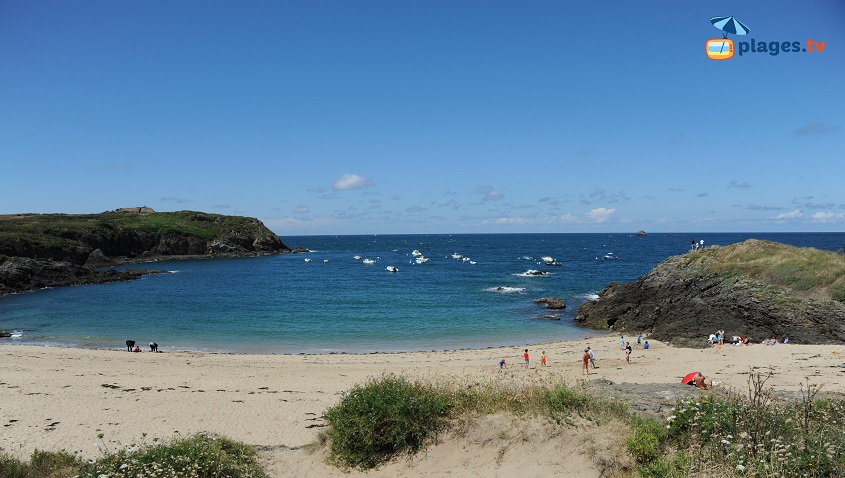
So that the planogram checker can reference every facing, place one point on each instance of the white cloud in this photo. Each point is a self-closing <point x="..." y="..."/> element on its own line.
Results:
<point x="301" y="209"/>
<point x="351" y="181"/>
<point x="827" y="217"/>
<point x="511" y="220"/>
<point x="790" y="215"/>
<point x="600" y="214"/>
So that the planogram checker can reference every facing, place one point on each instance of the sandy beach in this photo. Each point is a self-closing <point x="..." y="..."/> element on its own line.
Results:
<point x="59" y="398"/>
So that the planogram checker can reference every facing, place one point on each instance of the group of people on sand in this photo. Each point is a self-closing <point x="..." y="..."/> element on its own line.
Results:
<point x="718" y="339"/>
<point x="131" y="347"/>
<point x="526" y="360"/>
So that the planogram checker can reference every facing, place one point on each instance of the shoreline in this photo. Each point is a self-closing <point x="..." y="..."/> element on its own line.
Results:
<point x="57" y="398"/>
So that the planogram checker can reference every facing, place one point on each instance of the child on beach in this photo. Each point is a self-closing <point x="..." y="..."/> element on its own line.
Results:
<point x="543" y="358"/>
<point x="622" y="342"/>
<point x="525" y="357"/>
<point x="502" y="364"/>
<point x="627" y="352"/>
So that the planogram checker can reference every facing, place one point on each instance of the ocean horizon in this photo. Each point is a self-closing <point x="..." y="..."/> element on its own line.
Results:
<point x="474" y="291"/>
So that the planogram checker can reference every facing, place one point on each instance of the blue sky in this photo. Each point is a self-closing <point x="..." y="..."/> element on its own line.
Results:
<point x="368" y="117"/>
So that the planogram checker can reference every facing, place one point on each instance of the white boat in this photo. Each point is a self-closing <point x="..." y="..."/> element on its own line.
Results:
<point x="422" y="260"/>
<point x="416" y="253"/>
<point x="534" y="272"/>
<point x="466" y="259"/>
<point x="456" y="256"/>
<point x="357" y="258"/>
<point x="609" y="257"/>
<point x="307" y="259"/>
<point x="550" y="261"/>
<point x="325" y="261"/>
<point x="473" y="262"/>
<point x="369" y="261"/>
<point x="391" y="269"/>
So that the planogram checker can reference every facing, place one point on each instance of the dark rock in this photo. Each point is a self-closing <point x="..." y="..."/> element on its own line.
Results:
<point x="299" y="250"/>
<point x="20" y="274"/>
<point x="681" y="301"/>
<point x="555" y="303"/>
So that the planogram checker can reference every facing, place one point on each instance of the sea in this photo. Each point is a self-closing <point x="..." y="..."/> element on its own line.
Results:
<point x="475" y="291"/>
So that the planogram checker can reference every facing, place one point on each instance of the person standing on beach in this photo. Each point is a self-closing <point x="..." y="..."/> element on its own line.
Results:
<point x="592" y="357"/>
<point x="543" y="358"/>
<point x="622" y="342"/>
<point x="639" y="339"/>
<point x="627" y="352"/>
<point x="525" y="358"/>
<point x="585" y="362"/>
<point x="129" y="345"/>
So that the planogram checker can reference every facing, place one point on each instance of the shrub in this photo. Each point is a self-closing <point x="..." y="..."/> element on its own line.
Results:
<point x="382" y="418"/>
<point x="41" y="464"/>
<point x="202" y="455"/>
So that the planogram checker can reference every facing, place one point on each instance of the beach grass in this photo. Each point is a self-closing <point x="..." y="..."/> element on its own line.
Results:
<point x="199" y="456"/>
<point x="802" y="271"/>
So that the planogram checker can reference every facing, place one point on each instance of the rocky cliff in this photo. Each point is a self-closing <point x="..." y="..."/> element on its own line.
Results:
<point x="758" y="289"/>
<point x="64" y="249"/>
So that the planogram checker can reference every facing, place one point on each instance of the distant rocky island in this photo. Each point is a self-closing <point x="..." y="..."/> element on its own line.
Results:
<point x="53" y="250"/>
<point x="757" y="289"/>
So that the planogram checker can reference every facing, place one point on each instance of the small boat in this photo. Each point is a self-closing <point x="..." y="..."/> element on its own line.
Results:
<point x="609" y="257"/>
<point x="456" y="256"/>
<point x="533" y="272"/>
<point x="307" y="259"/>
<point x="416" y="253"/>
<point x="391" y="269"/>
<point x="357" y="258"/>
<point x="422" y="260"/>
<point x="325" y="261"/>
<point x="466" y="259"/>
<point x="550" y="261"/>
<point x="369" y="261"/>
<point x="473" y="262"/>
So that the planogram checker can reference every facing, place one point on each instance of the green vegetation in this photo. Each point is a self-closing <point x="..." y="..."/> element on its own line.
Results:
<point x="383" y="417"/>
<point x="391" y="415"/>
<point x="803" y="271"/>
<point x="69" y="235"/>
<point x="199" y="456"/>
<point x="41" y="464"/>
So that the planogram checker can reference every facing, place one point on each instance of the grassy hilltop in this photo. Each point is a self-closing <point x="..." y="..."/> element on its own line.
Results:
<point x="126" y="233"/>
<point x="53" y="250"/>
<point x="759" y="289"/>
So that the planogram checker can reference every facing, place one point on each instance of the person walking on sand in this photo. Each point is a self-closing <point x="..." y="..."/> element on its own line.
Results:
<point x="525" y="358"/>
<point x="592" y="357"/>
<point x="543" y="358"/>
<point x="622" y="342"/>
<point x="585" y="362"/>
<point x="639" y="339"/>
<point x="129" y="345"/>
<point x="627" y="352"/>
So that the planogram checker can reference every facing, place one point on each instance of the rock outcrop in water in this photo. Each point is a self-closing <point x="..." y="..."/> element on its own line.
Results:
<point x="52" y="250"/>
<point x="758" y="289"/>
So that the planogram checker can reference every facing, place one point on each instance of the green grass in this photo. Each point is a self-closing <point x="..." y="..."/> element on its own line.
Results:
<point x="384" y="417"/>
<point x="198" y="456"/>
<point x="61" y="235"/>
<point x="802" y="271"/>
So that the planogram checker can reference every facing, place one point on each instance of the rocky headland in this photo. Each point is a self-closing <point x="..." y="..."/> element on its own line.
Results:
<point x="53" y="250"/>
<point x="758" y="289"/>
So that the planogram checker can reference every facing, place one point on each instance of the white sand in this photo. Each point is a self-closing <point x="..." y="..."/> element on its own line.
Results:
<point x="58" y="398"/>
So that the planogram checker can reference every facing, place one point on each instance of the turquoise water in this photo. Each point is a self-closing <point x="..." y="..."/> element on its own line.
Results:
<point x="283" y="304"/>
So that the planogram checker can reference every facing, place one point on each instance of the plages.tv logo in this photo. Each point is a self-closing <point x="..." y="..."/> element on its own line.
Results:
<point x="723" y="48"/>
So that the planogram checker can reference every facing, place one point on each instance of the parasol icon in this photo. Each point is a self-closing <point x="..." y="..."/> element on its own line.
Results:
<point x="688" y="378"/>
<point x="730" y="25"/>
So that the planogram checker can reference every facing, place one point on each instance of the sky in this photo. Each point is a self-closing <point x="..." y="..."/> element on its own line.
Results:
<point x="414" y="117"/>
